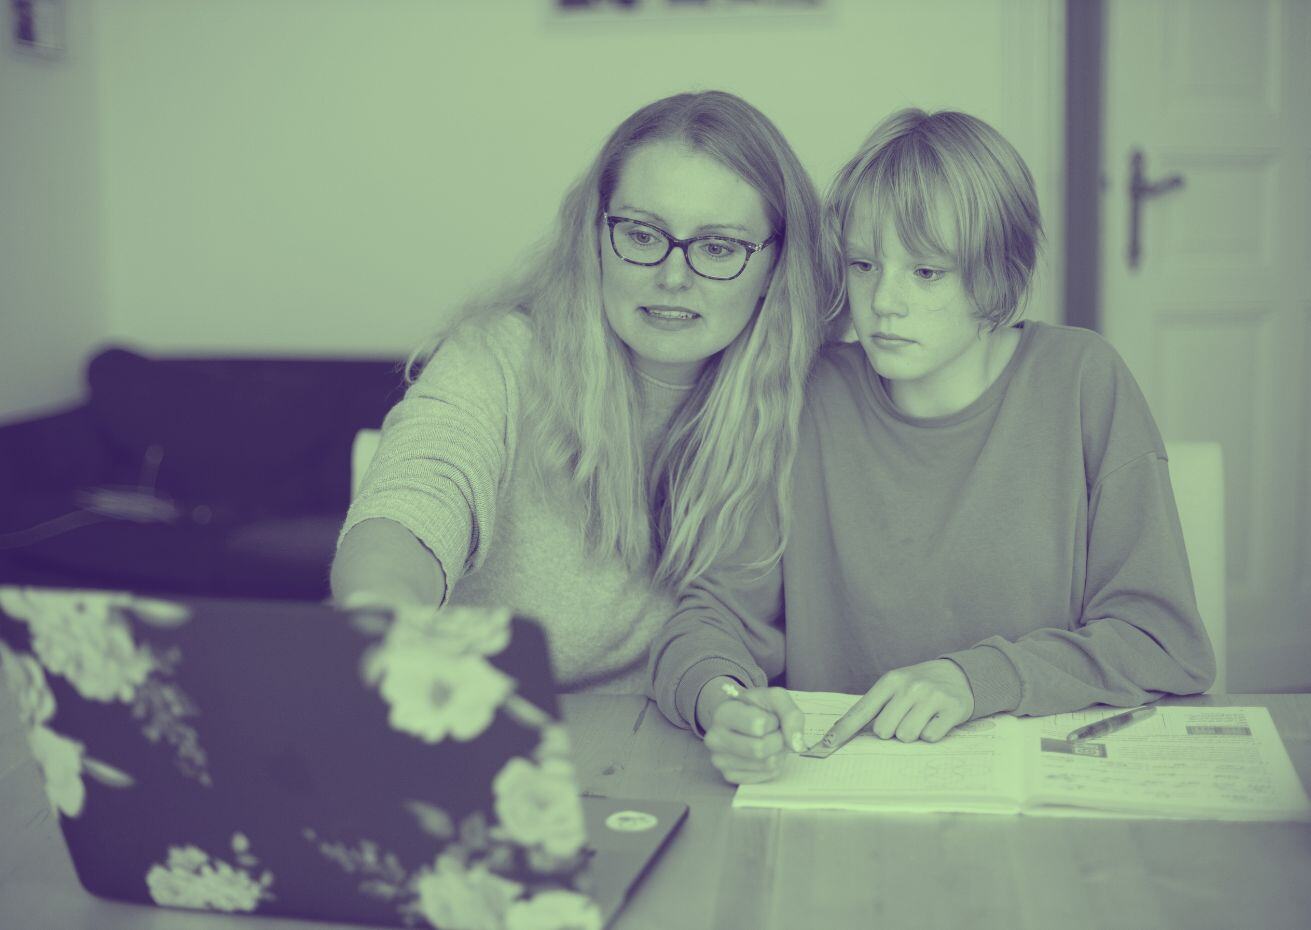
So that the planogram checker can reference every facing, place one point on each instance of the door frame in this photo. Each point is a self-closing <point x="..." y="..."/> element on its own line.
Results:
<point x="1085" y="56"/>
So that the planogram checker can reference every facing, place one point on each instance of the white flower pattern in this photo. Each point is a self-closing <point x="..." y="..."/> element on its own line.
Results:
<point x="453" y="897"/>
<point x="60" y="760"/>
<point x="467" y="630"/>
<point x="27" y="683"/>
<point x="555" y="909"/>
<point x="430" y="668"/>
<point x="79" y="635"/>
<point x="58" y="757"/>
<point x="85" y="637"/>
<point x="554" y="743"/>
<point x="432" y="673"/>
<point x="190" y="878"/>
<point x="537" y="805"/>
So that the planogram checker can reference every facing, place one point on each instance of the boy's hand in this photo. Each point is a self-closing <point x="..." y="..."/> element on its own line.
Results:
<point x="921" y="701"/>
<point x="749" y="734"/>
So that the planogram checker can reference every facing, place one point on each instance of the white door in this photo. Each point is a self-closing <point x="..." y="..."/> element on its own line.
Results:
<point x="1215" y="319"/>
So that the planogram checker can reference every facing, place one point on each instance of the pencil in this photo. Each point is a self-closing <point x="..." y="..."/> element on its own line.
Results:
<point x="1110" y="724"/>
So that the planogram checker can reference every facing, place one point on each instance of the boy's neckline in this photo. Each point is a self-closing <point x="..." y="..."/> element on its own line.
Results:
<point x="991" y="394"/>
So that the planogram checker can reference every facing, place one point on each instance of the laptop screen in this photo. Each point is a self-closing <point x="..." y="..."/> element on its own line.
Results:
<point x="299" y="760"/>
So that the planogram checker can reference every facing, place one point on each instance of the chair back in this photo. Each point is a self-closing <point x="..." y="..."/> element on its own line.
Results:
<point x="1197" y="476"/>
<point x="362" y="452"/>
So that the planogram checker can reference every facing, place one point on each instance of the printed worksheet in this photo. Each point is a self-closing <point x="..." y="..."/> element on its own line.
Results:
<point x="1214" y="762"/>
<point x="974" y="768"/>
<point x="1181" y="762"/>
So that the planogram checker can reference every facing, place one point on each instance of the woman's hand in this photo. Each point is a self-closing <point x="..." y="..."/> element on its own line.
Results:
<point x="921" y="702"/>
<point x="750" y="730"/>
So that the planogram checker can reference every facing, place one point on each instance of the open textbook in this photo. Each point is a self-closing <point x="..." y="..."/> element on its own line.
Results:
<point x="1208" y="763"/>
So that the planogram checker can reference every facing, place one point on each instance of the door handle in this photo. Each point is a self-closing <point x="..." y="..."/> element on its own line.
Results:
<point x="1140" y="189"/>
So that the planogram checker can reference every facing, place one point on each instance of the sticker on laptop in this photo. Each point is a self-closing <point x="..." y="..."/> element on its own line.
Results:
<point x="631" y="821"/>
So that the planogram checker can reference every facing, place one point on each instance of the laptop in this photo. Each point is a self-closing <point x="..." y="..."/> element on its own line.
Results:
<point x="301" y="760"/>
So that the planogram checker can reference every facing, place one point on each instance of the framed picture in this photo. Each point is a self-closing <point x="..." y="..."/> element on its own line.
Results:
<point x="676" y="9"/>
<point x="37" y="25"/>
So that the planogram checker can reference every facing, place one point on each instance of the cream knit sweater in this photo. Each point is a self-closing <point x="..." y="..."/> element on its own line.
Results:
<point x="450" y="469"/>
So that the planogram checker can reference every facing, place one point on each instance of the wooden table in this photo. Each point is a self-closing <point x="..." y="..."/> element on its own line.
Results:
<point x="729" y="869"/>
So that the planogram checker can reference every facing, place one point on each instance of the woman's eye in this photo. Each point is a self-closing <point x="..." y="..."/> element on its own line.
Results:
<point x="641" y="236"/>
<point x="928" y="274"/>
<point x="716" y="248"/>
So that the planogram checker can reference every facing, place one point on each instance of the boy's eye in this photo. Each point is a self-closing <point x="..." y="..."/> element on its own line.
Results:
<point x="860" y="265"/>
<point x="928" y="274"/>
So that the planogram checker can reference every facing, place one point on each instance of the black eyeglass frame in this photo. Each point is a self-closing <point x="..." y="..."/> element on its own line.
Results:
<point x="672" y="243"/>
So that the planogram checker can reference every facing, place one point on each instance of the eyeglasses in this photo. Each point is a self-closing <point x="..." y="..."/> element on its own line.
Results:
<point x="719" y="258"/>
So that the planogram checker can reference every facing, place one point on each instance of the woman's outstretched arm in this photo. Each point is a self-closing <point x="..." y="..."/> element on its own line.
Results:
<point x="380" y="559"/>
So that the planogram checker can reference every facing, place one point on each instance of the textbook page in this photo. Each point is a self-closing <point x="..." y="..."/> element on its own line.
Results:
<point x="974" y="768"/>
<point x="1212" y="763"/>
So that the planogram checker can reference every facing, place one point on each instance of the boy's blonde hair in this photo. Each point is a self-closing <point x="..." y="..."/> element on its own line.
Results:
<point x="915" y="162"/>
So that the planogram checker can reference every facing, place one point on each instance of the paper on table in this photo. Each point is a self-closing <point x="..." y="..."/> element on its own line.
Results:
<point x="972" y="769"/>
<point x="1185" y="762"/>
<point x="1217" y="762"/>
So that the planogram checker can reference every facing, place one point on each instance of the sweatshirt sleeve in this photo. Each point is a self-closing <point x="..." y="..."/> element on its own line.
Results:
<point x="727" y="622"/>
<point x="447" y="446"/>
<point x="1140" y="635"/>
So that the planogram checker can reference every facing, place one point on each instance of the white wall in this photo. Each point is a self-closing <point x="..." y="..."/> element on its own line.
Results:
<point x="331" y="175"/>
<point x="51" y="302"/>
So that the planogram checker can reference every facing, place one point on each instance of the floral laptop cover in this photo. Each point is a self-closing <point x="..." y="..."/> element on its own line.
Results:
<point x="294" y="759"/>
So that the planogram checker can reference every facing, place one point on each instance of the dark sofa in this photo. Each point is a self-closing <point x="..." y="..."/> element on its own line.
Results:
<point x="207" y="476"/>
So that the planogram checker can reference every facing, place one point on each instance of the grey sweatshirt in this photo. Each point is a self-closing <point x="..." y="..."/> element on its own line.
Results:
<point x="1031" y="538"/>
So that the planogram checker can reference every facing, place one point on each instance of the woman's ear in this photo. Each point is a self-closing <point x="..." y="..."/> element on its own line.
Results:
<point x="769" y="279"/>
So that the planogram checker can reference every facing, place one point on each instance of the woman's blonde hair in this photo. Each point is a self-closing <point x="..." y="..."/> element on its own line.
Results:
<point x="915" y="161"/>
<point x="730" y="445"/>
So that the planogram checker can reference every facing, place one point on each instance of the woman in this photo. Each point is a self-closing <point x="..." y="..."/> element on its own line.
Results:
<point x="595" y="435"/>
<point x="983" y="519"/>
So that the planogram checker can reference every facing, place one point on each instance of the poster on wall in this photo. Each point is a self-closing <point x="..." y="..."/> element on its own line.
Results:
<point x="593" y="10"/>
<point x="37" y="25"/>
